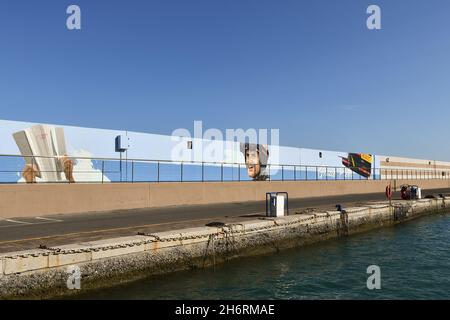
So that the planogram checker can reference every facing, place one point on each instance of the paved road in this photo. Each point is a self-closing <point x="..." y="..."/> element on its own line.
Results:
<point x="25" y="233"/>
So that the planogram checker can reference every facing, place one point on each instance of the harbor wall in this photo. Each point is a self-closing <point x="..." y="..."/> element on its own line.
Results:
<point x="44" y="272"/>
<point x="24" y="200"/>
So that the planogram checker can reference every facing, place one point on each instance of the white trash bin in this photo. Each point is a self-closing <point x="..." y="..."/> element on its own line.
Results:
<point x="276" y="204"/>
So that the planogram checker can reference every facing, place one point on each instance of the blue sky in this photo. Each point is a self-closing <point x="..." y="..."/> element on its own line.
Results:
<point x="310" y="68"/>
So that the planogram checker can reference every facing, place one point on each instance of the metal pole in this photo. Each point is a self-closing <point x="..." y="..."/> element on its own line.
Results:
<point x="239" y="172"/>
<point x="132" y="171"/>
<point x="221" y="172"/>
<point x="203" y="173"/>
<point x="158" y="172"/>
<point x="32" y="168"/>
<point x="295" y="173"/>
<point x="282" y="173"/>
<point x="126" y="163"/>
<point x="120" y="167"/>
<point x="103" y="170"/>
<point x="181" y="166"/>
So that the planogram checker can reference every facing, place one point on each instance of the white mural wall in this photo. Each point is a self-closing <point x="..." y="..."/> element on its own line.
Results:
<point x="55" y="153"/>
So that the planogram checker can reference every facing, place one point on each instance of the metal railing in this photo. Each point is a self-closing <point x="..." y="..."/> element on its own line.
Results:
<point x="102" y="170"/>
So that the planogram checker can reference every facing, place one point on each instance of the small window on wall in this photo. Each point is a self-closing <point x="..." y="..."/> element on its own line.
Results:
<point x="189" y="145"/>
<point x="320" y="155"/>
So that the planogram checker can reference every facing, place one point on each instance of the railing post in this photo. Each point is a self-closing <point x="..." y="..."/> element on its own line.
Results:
<point x="282" y="173"/>
<point x="181" y="173"/>
<point x="203" y="171"/>
<point x="239" y="172"/>
<point x="132" y="171"/>
<point x="158" y="173"/>
<point x="221" y="172"/>
<point x="103" y="170"/>
<point x="32" y="167"/>
<point x="317" y="173"/>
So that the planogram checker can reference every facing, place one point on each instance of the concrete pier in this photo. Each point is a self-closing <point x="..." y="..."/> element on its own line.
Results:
<point x="42" y="273"/>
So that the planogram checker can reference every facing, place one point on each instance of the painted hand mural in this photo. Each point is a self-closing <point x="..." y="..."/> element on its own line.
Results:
<point x="44" y="150"/>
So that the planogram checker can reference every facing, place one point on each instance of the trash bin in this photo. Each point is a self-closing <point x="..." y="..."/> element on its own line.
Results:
<point x="277" y="204"/>
<point x="416" y="193"/>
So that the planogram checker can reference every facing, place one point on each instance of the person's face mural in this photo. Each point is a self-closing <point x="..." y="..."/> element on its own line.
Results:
<point x="253" y="163"/>
<point x="255" y="160"/>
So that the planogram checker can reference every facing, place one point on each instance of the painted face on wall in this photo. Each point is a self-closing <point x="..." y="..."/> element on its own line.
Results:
<point x="253" y="163"/>
<point x="256" y="156"/>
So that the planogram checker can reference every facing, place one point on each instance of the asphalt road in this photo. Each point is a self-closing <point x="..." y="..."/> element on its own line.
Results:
<point x="25" y="233"/>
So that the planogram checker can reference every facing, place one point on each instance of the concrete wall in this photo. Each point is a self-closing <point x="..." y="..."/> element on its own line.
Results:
<point x="23" y="200"/>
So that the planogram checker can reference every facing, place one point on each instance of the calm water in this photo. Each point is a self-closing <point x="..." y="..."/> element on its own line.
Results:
<point x="414" y="259"/>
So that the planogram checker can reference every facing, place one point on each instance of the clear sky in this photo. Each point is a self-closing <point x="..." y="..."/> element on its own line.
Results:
<point x="310" y="68"/>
